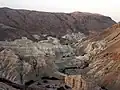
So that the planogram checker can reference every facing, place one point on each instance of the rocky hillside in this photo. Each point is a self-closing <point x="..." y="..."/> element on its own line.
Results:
<point x="104" y="59"/>
<point x="78" y="82"/>
<point x="36" y="25"/>
<point x="105" y="67"/>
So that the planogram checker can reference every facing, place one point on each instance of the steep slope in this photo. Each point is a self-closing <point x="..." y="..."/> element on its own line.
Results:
<point x="105" y="67"/>
<point x="112" y="37"/>
<point x="17" y="23"/>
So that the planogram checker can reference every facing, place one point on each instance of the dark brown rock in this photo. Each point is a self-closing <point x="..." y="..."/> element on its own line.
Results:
<point x="17" y="23"/>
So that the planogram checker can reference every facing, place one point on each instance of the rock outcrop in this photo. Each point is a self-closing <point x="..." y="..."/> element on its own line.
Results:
<point x="31" y="57"/>
<point x="77" y="82"/>
<point x="36" y="25"/>
<point x="105" y="65"/>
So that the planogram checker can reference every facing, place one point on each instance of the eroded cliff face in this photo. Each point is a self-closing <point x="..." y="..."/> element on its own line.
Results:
<point x="105" y="66"/>
<point x="18" y="23"/>
<point x="104" y="60"/>
<point x="77" y="82"/>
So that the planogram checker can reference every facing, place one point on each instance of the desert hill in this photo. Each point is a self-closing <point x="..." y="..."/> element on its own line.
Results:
<point x="17" y="23"/>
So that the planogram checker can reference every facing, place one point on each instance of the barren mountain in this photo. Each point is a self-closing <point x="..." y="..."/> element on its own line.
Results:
<point x="17" y="23"/>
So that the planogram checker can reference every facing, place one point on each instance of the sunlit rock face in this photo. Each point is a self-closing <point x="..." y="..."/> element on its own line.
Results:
<point x="77" y="82"/>
<point x="74" y="36"/>
<point x="90" y="47"/>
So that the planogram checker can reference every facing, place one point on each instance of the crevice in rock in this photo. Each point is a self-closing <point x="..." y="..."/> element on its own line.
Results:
<point x="19" y="86"/>
<point x="14" y="85"/>
<point x="49" y="78"/>
<point x="115" y="36"/>
<point x="86" y="64"/>
<point x="103" y="88"/>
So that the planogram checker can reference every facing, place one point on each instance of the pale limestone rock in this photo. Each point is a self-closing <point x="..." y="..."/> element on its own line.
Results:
<point x="77" y="82"/>
<point x="74" y="36"/>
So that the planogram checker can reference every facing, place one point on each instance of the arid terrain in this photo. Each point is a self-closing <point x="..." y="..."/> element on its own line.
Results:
<point x="18" y="23"/>
<point x="58" y="51"/>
